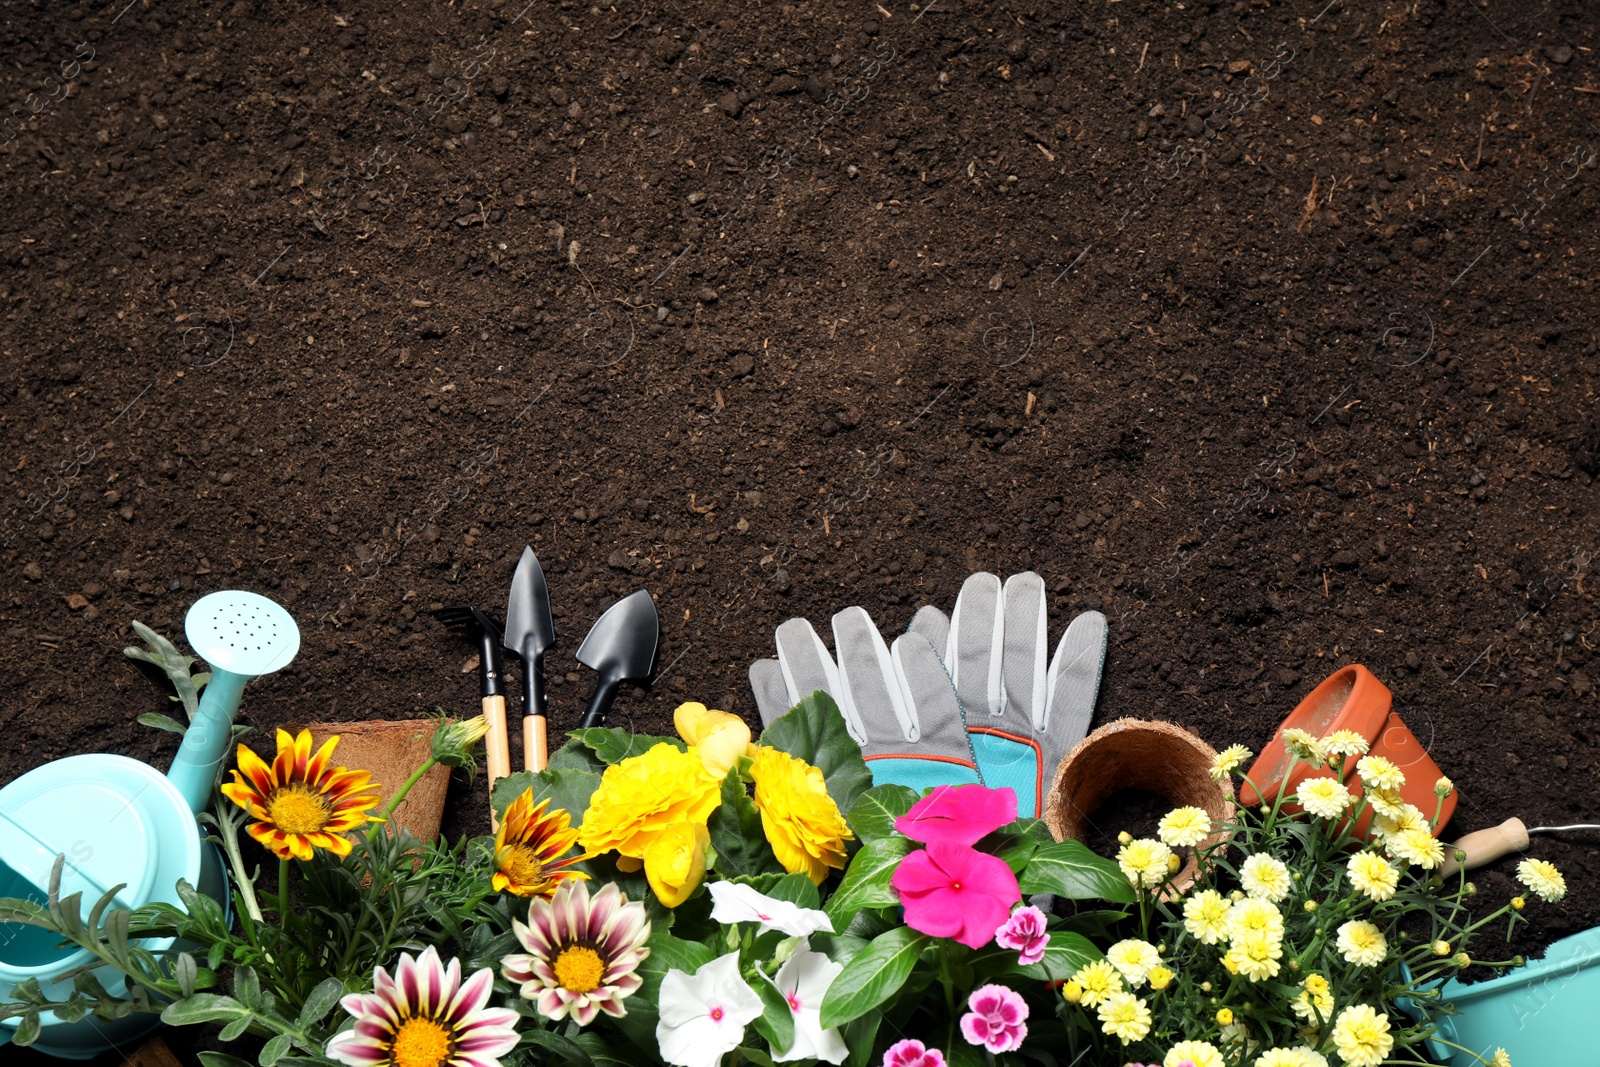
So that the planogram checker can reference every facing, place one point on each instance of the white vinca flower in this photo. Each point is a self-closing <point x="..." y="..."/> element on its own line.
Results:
<point x="804" y="980"/>
<point x="703" y="1015"/>
<point x="737" y="903"/>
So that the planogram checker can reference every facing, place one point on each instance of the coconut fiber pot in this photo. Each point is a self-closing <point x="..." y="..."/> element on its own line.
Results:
<point x="390" y="751"/>
<point x="1156" y="757"/>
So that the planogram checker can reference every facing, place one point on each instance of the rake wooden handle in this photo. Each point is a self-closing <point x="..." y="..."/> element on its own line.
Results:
<point x="535" y="742"/>
<point x="1485" y="846"/>
<point x="496" y="747"/>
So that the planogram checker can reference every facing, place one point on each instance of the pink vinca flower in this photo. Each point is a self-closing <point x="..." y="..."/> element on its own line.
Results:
<point x="998" y="1020"/>
<point x="912" y="1054"/>
<point x="1024" y="931"/>
<point x="955" y="891"/>
<point x="960" y="814"/>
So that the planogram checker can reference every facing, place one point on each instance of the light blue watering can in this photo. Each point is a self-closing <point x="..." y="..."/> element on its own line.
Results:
<point x="116" y="820"/>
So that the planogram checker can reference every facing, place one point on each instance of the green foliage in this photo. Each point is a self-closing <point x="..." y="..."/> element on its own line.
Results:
<point x="568" y="789"/>
<point x="737" y="836"/>
<point x="178" y="668"/>
<point x="873" y="976"/>
<point x="813" y="730"/>
<point x="612" y="745"/>
<point x="872" y="816"/>
<point x="1069" y="869"/>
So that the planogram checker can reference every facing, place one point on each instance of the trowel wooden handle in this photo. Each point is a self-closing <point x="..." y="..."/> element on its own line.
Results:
<point x="496" y="746"/>
<point x="535" y="744"/>
<point x="1484" y="846"/>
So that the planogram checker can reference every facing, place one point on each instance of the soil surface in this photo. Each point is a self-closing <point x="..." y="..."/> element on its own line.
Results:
<point x="1265" y="328"/>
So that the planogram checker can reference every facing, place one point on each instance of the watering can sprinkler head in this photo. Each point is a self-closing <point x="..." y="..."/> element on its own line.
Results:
<point x="240" y="636"/>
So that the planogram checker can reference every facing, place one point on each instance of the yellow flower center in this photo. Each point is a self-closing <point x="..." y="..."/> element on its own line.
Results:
<point x="420" y="1043"/>
<point x="521" y="864"/>
<point x="295" y="811"/>
<point x="579" y="968"/>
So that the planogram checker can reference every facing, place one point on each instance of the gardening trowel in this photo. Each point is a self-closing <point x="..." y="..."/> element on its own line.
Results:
<point x="622" y="647"/>
<point x="529" y="631"/>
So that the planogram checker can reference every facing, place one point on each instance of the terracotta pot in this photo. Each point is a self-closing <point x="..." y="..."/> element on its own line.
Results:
<point x="1156" y="757"/>
<point x="390" y="750"/>
<point x="1352" y="698"/>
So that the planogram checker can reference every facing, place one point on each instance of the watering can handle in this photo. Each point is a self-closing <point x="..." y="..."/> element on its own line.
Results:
<point x="1485" y="846"/>
<point x="205" y="743"/>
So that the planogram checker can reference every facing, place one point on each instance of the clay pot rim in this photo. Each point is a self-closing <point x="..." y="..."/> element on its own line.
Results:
<point x="1366" y="711"/>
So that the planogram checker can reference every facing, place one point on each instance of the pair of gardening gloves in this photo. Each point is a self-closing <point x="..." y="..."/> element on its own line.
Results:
<point x="972" y="697"/>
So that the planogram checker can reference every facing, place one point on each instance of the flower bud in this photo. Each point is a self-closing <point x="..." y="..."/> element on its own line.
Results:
<point x="1519" y="903"/>
<point x="1443" y="787"/>
<point x="1463" y="960"/>
<point x="1310" y="905"/>
<point x="1173" y="863"/>
<point x="1471" y="889"/>
<point x="1224" y="1017"/>
<point x="1236" y="896"/>
<point x="1518" y="961"/>
<point x="453" y="742"/>
<point x="1073" y="992"/>
<point x="1441" y="948"/>
<point x="1124" y="837"/>
<point x="1160" y="977"/>
<point x="1205" y="987"/>
<point x="1294" y="965"/>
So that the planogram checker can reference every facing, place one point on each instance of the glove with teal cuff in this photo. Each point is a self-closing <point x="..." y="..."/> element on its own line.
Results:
<point x="898" y="702"/>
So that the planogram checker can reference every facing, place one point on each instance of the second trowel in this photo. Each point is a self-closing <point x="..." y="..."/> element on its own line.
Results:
<point x="622" y="646"/>
<point x="529" y="632"/>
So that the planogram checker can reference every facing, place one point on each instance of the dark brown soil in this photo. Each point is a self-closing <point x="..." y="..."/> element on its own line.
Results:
<point x="1266" y="328"/>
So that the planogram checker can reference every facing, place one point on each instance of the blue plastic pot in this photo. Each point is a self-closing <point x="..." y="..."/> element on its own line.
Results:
<point x="116" y="821"/>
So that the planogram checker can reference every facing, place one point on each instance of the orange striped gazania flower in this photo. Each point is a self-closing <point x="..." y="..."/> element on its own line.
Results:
<point x="528" y="848"/>
<point x="302" y="802"/>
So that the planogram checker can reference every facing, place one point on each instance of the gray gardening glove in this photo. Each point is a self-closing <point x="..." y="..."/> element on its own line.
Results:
<point x="1024" y="711"/>
<point x="898" y="703"/>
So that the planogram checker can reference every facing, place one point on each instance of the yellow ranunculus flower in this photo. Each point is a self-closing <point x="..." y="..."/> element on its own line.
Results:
<point x="721" y="738"/>
<point x="675" y="861"/>
<point x="802" y="823"/>
<point x="645" y="795"/>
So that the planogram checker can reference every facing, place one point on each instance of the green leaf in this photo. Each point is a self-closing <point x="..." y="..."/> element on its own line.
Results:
<point x="236" y="1029"/>
<point x="859" y="1034"/>
<point x="276" y="1049"/>
<point x="866" y="881"/>
<point x="601" y="1053"/>
<point x="184" y="972"/>
<point x="873" y="814"/>
<point x="736" y="833"/>
<point x="565" y="1050"/>
<point x="1063" y="956"/>
<point x="798" y="889"/>
<point x="1068" y="869"/>
<point x="204" y="1008"/>
<point x="568" y="790"/>
<point x="613" y="744"/>
<point x="13" y="910"/>
<point x="575" y="756"/>
<point x="776" y="1022"/>
<point x="840" y="948"/>
<point x="874" y="976"/>
<point x="755" y="1056"/>
<point x="221" y="1059"/>
<point x="1016" y="851"/>
<point x="813" y="730"/>
<point x="964" y="1055"/>
<point x="320" y="1002"/>
<point x="163" y="722"/>
<point x="247" y="988"/>
<point x="27" y="1030"/>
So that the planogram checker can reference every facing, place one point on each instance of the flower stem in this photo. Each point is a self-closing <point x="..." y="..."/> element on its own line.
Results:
<point x="405" y="787"/>
<point x="242" y="881"/>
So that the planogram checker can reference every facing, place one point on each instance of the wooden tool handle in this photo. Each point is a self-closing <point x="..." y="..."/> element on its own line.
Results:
<point x="1484" y="846"/>
<point x="496" y="746"/>
<point x="535" y="744"/>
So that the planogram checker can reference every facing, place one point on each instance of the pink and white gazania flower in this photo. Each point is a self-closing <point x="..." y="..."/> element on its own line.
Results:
<point x="583" y="953"/>
<point x="735" y="902"/>
<point x="803" y="980"/>
<point x="425" y="1016"/>
<point x="1024" y="931"/>
<point x="998" y="1020"/>
<point x="703" y="1015"/>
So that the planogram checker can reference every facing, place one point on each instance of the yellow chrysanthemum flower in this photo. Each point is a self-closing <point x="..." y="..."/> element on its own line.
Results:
<point x="1387" y="803"/>
<point x="1502" y="1058"/>
<point x="1256" y="956"/>
<point x="1254" y="915"/>
<point x="1325" y="798"/>
<point x="1362" y="1036"/>
<point x="1161" y="977"/>
<point x="801" y="821"/>
<point x="720" y="737"/>
<point x="1305" y="746"/>
<point x="1098" y="980"/>
<point x="1228" y="760"/>
<point x="1417" y="847"/>
<point x="1199" y="1053"/>
<point x="1314" y="1002"/>
<point x="644" y="795"/>
<point x="1379" y="773"/>
<point x="1265" y="877"/>
<point x="1410" y="818"/>
<point x="1362" y="943"/>
<point x="302" y="802"/>
<point x="1184" y="827"/>
<point x="1124" y="1016"/>
<point x="1135" y="959"/>
<point x="1373" y="875"/>
<point x="1443" y="787"/>
<point x="528" y="848"/>
<point x="1542" y="879"/>
<point x="1072" y="993"/>
<point x="1205" y="916"/>
<point x="1344" y="743"/>
<point x="1144" y="862"/>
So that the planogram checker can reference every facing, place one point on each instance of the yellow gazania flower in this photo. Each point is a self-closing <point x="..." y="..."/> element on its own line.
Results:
<point x="1184" y="827"/>
<point x="302" y="802"/>
<point x="1205" y="916"/>
<point x="1144" y="862"/>
<point x="1263" y="876"/>
<point x="801" y="821"/>
<point x="645" y="795"/>
<point x="675" y="861"/>
<point x="1362" y="1036"/>
<point x="1379" y="773"/>
<point x="1124" y="1016"/>
<point x="1543" y="878"/>
<point x="1362" y="943"/>
<point x="721" y="738"/>
<point x="528" y="848"/>
<point x="1229" y="760"/>
<point x="1417" y="847"/>
<point x="1373" y="875"/>
<point x="1097" y="981"/>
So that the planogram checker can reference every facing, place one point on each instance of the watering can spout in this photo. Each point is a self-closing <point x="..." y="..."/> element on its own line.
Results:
<point x="241" y="636"/>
